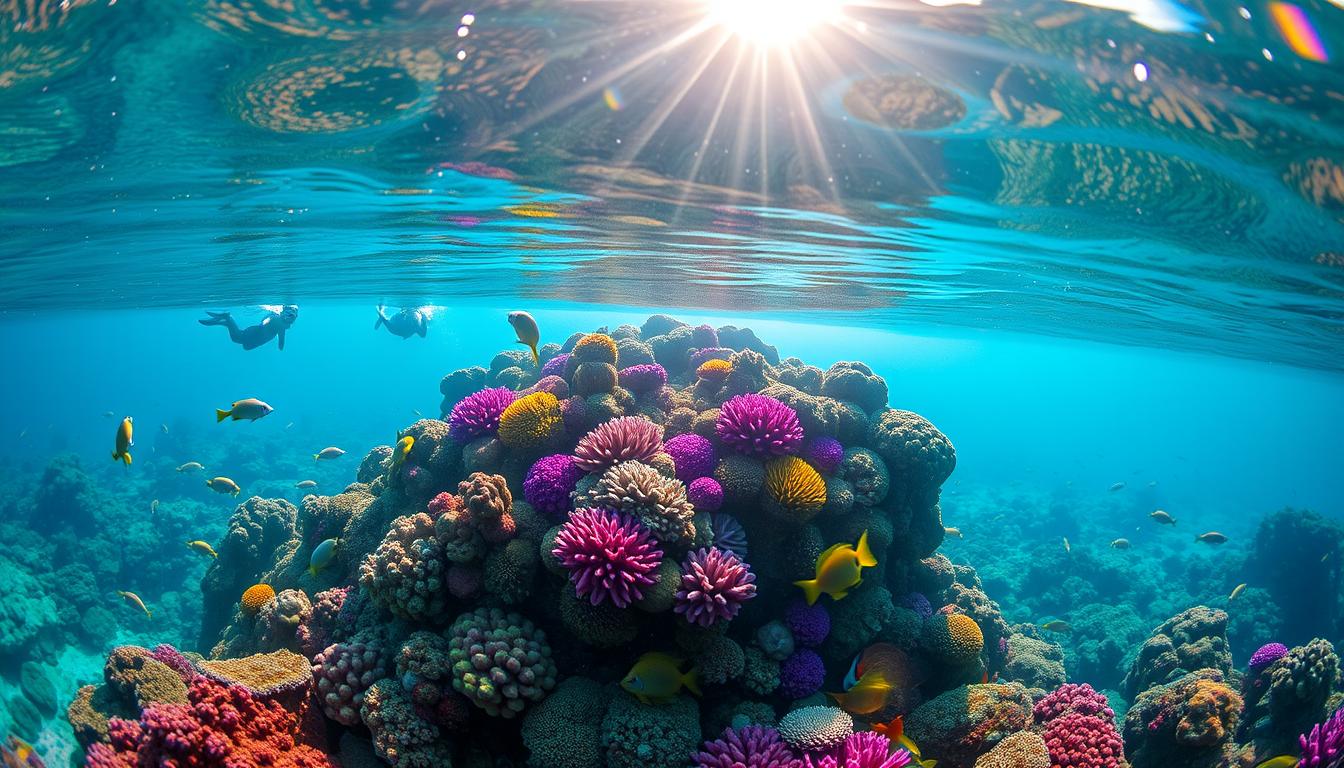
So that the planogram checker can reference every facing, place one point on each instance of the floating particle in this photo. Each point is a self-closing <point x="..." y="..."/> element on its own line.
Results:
<point x="611" y="96"/>
<point x="1140" y="71"/>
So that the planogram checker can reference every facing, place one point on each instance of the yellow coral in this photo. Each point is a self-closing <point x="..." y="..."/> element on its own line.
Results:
<point x="595" y="348"/>
<point x="793" y="489"/>
<point x="531" y="421"/>
<point x="256" y="596"/>
<point x="264" y="673"/>
<point x="954" y="637"/>
<point x="714" y="370"/>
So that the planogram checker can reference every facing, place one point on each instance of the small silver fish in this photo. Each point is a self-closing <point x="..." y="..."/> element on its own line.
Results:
<point x="305" y="484"/>
<point x="331" y="452"/>
<point x="1117" y="486"/>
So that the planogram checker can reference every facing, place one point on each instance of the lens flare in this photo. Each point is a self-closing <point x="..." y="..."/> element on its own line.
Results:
<point x="1298" y="31"/>
<point x="773" y="23"/>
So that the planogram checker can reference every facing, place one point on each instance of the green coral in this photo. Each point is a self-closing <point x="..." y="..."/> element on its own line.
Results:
<point x="565" y="730"/>
<point x="501" y="661"/>
<point x="509" y="571"/>
<point x="644" y="736"/>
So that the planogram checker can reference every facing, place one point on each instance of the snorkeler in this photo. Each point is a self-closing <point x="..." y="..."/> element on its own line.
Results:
<point x="406" y="323"/>
<point x="277" y="321"/>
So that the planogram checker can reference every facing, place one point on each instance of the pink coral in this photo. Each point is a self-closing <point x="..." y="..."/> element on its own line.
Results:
<point x="622" y="439"/>
<point x="609" y="556"/>
<point x="759" y="426"/>
<point x="343" y="673"/>
<point x="753" y="746"/>
<point x="478" y="413"/>
<point x="1072" y="697"/>
<point x="1075" y="740"/>
<point x="714" y="585"/>
<point x="864" y="749"/>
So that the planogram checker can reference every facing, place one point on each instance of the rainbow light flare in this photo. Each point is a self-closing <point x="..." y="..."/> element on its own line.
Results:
<point x="1298" y="31"/>
<point x="611" y="96"/>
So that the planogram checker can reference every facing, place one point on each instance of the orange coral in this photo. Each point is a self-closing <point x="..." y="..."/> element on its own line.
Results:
<point x="793" y="489"/>
<point x="530" y="421"/>
<point x="714" y="370"/>
<point x="595" y="348"/>
<point x="953" y="637"/>
<point x="1210" y="714"/>
<point x="256" y="596"/>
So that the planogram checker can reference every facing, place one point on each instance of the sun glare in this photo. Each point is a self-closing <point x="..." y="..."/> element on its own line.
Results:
<point x="773" y="23"/>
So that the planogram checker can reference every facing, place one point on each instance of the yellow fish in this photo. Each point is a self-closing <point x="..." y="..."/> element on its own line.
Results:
<point x="839" y="569"/>
<point x="203" y="547"/>
<point x="404" y="446"/>
<point x="528" y="334"/>
<point x="17" y="753"/>
<point x="124" y="442"/>
<point x="1282" y="761"/>
<point x="880" y="669"/>
<point x="135" y="600"/>
<point x="224" y="485"/>
<point x="250" y="409"/>
<point x="1058" y="625"/>
<point x="657" y="677"/>
<point x="953" y="532"/>
<point x="1239" y="589"/>
<point x="916" y="758"/>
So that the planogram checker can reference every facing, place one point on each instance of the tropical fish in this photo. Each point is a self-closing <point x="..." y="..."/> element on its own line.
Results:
<point x="953" y="532"/>
<point x="224" y="485"/>
<point x="657" y="677"/>
<point x="399" y="453"/>
<point x="153" y="506"/>
<point x="839" y="569"/>
<point x="331" y="452"/>
<point x="17" y="753"/>
<point x="135" y="600"/>
<point x="916" y="759"/>
<point x="1067" y="548"/>
<point x="322" y="556"/>
<point x="1282" y="761"/>
<point x="1162" y="517"/>
<point x="1120" y="544"/>
<point x="1117" y="486"/>
<point x="1236" y="591"/>
<point x="203" y="547"/>
<point x="191" y="466"/>
<point x="164" y="428"/>
<point x="305" y="484"/>
<point x="893" y="729"/>
<point x="528" y="334"/>
<point x="1057" y="625"/>
<point x="1212" y="537"/>
<point x="108" y="414"/>
<point x="880" y="669"/>
<point x="250" y="409"/>
<point x="124" y="433"/>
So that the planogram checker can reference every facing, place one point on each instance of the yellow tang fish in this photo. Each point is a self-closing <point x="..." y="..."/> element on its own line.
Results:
<point x="880" y="670"/>
<point x="528" y="334"/>
<point x="224" y="485"/>
<point x="404" y="446"/>
<point x="839" y="569"/>
<point x="657" y="677"/>
<point x="203" y="547"/>
<point x="135" y="600"/>
<point x="1282" y="761"/>
<point x="916" y="758"/>
<point x="124" y="442"/>
<point x="1237" y="591"/>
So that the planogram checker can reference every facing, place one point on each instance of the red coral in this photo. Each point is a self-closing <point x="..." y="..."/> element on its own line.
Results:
<point x="1082" y="741"/>
<point x="221" y="726"/>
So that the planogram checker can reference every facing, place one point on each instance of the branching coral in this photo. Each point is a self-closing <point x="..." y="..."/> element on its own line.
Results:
<point x="752" y="746"/>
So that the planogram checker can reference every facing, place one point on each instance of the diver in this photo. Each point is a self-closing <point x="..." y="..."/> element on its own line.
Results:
<point x="277" y="321"/>
<point x="406" y="323"/>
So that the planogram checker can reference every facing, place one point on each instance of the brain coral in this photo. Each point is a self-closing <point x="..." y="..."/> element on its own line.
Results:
<point x="813" y="729"/>
<point x="622" y="439"/>
<point x="609" y="556"/>
<point x="646" y="377"/>
<point x="531" y="422"/>
<point x="794" y="492"/>
<point x="256" y="596"/>
<point x="406" y="574"/>
<point x="1024" y="749"/>
<point x="953" y="638"/>
<point x="757" y="425"/>
<point x="279" y="674"/>
<point x="478" y="413"/>
<point x="913" y="448"/>
<point x="595" y="348"/>
<point x="565" y="730"/>
<point x="714" y="585"/>
<point x="714" y="370"/>
<point x="658" y="501"/>
<point x="500" y="661"/>
<point x="549" y="482"/>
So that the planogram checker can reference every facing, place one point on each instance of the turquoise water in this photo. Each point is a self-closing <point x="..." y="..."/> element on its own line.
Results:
<point x="1097" y="248"/>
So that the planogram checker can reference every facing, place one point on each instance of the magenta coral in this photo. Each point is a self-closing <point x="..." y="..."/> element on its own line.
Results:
<point x="1267" y="654"/>
<point x="705" y="494"/>
<point x="757" y="425"/>
<point x="1076" y="740"/>
<point x="609" y="556"/>
<point x="478" y="413"/>
<point x="1072" y="697"/>
<point x="714" y="585"/>
<point x="643" y="378"/>
<point x="693" y="456"/>
<point x="1324" y="746"/>
<point x="865" y="749"/>
<point x="622" y="439"/>
<point x="753" y="746"/>
<point x="824" y="454"/>
<point x="549" y="482"/>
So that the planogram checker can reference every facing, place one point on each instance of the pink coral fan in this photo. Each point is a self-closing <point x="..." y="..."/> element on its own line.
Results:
<point x="693" y="456"/>
<point x="622" y="439"/>
<point x="714" y="585"/>
<point x="478" y="413"/>
<point x="757" y="425"/>
<point x="1072" y="697"/>
<point x="550" y="481"/>
<point x="609" y="556"/>
<point x="1075" y="740"/>
<point x="753" y="746"/>
<point x="643" y="378"/>
<point x="865" y="749"/>
<point x="824" y="454"/>
<point x="343" y="673"/>
<point x="1324" y="746"/>
<point x="221" y="726"/>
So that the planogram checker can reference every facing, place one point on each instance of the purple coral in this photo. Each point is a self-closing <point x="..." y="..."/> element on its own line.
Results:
<point x="343" y="673"/>
<point x="609" y="556"/>
<point x="757" y="425"/>
<point x="622" y="439"/>
<point x="549" y="482"/>
<point x="555" y="366"/>
<point x="478" y="413"/>
<point x="693" y="456"/>
<point x="801" y="674"/>
<point x="1324" y="746"/>
<point x="643" y="378"/>
<point x="865" y="749"/>
<point x="754" y="746"/>
<point x="810" y="624"/>
<point x="728" y="532"/>
<point x="705" y="494"/>
<point x="824" y="454"/>
<point x="714" y="585"/>
<point x="1267" y="654"/>
<point x="917" y="602"/>
<point x="1072" y="697"/>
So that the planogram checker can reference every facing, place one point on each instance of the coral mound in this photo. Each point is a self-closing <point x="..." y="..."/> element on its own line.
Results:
<point x="500" y="661"/>
<point x="813" y="729"/>
<point x="256" y="596"/>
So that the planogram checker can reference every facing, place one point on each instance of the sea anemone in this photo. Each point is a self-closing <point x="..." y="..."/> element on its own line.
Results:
<point x="728" y="533"/>
<point x="752" y="746"/>
<point x="714" y="585"/>
<point x="609" y="556"/>
<point x="757" y="425"/>
<point x="794" y="492"/>
<point x="823" y="453"/>
<point x="714" y="371"/>
<point x="628" y="438"/>
<point x="530" y="421"/>
<point x="643" y="378"/>
<point x="1324" y="746"/>
<point x="256" y="596"/>
<point x="478" y="414"/>
<point x="549" y="482"/>
<point x="705" y="494"/>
